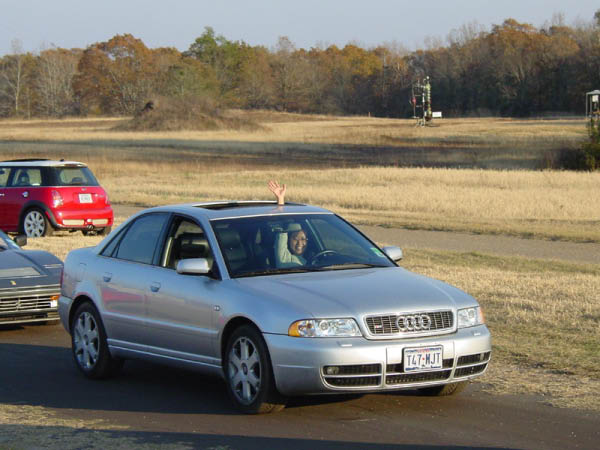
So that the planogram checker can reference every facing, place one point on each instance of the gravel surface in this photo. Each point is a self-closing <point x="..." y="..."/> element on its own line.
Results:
<point x="501" y="245"/>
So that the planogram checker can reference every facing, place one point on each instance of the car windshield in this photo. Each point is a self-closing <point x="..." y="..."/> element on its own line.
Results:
<point x="266" y="245"/>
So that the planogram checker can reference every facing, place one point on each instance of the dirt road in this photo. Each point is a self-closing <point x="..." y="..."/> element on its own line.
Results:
<point x="499" y="245"/>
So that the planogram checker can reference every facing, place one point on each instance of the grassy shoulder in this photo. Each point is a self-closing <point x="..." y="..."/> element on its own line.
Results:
<point x="544" y="317"/>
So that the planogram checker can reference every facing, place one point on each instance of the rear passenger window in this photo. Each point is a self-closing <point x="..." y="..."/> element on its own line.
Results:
<point x="27" y="177"/>
<point x="141" y="239"/>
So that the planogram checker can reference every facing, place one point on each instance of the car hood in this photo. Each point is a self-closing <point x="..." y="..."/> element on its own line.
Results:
<point x="356" y="293"/>
<point x="31" y="268"/>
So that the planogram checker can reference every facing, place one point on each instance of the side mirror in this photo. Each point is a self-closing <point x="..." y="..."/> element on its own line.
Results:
<point x="21" y="240"/>
<point x="193" y="266"/>
<point x="394" y="253"/>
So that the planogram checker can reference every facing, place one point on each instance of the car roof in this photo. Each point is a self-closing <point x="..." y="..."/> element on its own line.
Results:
<point x="40" y="162"/>
<point x="235" y="209"/>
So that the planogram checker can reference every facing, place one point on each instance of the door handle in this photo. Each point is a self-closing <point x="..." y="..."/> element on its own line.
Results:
<point x="107" y="277"/>
<point x="1" y="194"/>
<point x="154" y="287"/>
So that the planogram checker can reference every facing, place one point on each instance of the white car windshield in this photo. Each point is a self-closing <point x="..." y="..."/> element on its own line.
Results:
<point x="265" y="245"/>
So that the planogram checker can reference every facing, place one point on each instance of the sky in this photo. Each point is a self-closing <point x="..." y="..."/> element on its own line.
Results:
<point x="39" y="24"/>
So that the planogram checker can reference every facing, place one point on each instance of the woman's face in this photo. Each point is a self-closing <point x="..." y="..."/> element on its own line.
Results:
<point x="297" y="242"/>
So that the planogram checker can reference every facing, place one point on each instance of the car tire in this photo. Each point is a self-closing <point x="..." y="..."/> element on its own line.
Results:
<point x="36" y="224"/>
<point x="97" y="232"/>
<point x="89" y="346"/>
<point x="444" y="389"/>
<point x="249" y="374"/>
<point x="104" y="231"/>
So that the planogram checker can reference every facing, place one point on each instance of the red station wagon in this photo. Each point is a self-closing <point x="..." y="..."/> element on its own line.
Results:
<point x="40" y="196"/>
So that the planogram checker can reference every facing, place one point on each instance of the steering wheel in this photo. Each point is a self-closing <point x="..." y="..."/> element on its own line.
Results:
<point x="322" y="254"/>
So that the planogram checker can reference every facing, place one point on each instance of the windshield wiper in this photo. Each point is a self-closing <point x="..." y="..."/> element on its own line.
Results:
<point x="299" y="269"/>
<point x="351" y="265"/>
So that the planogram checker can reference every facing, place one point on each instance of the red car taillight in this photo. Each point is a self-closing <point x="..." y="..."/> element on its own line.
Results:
<point x="107" y="200"/>
<point x="57" y="199"/>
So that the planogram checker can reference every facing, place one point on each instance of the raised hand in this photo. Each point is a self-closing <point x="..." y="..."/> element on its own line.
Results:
<point x="278" y="190"/>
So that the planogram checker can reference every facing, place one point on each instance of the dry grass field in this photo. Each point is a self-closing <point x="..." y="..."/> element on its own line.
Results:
<point x="544" y="316"/>
<point x="347" y="164"/>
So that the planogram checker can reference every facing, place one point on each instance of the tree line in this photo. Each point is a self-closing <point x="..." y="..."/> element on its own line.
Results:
<point x="512" y="69"/>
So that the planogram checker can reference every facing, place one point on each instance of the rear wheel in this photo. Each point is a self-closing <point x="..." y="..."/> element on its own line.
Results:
<point x="89" y="346"/>
<point x="99" y="232"/>
<point x="249" y="374"/>
<point x="444" y="389"/>
<point x="36" y="224"/>
<point x="104" y="231"/>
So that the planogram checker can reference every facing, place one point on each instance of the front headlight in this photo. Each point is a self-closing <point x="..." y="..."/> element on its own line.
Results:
<point x="324" y="328"/>
<point x="470" y="317"/>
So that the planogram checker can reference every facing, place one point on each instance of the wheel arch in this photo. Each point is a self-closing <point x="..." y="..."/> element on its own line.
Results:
<point x="233" y="324"/>
<point x="79" y="300"/>
<point x="36" y="204"/>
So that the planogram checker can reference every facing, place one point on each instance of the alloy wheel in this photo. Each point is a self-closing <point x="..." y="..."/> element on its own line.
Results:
<point x="86" y="341"/>
<point x="34" y="224"/>
<point x="244" y="370"/>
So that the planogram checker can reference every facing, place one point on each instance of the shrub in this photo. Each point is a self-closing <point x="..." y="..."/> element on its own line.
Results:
<point x="195" y="113"/>
<point x="586" y="157"/>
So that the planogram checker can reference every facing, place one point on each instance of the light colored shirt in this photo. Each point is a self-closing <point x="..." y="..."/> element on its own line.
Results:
<point x="283" y="257"/>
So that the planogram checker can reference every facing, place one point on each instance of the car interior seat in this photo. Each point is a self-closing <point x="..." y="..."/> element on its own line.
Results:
<point x="233" y="248"/>
<point x="190" y="245"/>
<point x="23" y="179"/>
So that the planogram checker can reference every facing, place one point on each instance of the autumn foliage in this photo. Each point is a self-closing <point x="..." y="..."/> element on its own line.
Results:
<point x="513" y="69"/>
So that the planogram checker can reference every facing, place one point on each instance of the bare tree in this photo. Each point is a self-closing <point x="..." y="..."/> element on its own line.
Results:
<point x="56" y="69"/>
<point x="13" y="76"/>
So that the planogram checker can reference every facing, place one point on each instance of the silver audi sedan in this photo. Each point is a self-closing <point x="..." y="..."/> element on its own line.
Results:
<point x="278" y="300"/>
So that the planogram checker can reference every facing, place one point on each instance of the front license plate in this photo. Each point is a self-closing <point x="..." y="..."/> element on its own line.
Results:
<point x="422" y="358"/>
<point x="85" y="198"/>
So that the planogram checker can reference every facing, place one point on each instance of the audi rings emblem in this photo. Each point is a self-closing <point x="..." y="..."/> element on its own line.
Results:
<point x="414" y="322"/>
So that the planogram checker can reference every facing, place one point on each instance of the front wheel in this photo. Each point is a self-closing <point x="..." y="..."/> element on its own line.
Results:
<point x="36" y="224"/>
<point x="444" y="389"/>
<point x="248" y="373"/>
<point x="88" y="342"/>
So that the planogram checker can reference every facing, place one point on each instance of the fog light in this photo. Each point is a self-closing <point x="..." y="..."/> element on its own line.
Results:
<point x="332" y="370"/>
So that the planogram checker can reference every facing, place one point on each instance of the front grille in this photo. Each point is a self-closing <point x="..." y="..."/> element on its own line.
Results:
<point x="387" y="324"/>
<point x="27" y="300"/>
<point x="406" y="378"/>
<point x="351" y="382"/>
<point x="472" y="370"/>
<point x="361" y="369"/>
<point x="473" y="359"/>
<point x="353" y="375"/>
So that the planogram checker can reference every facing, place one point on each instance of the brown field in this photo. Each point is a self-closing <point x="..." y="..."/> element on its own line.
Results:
<point x="354" y="166"/>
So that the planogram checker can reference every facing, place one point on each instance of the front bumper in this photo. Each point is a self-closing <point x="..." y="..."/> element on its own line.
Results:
<point x="28" y="304"/>
<point x="373" y="365"/>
